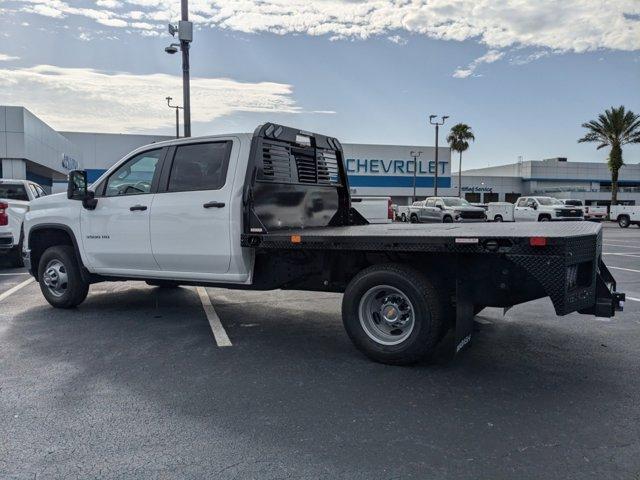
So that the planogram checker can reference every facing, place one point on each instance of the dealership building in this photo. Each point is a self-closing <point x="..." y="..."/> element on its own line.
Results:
<point x="31" y="149"/>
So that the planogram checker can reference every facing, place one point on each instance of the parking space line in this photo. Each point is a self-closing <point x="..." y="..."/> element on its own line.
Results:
<point x="15" y="289"/>
<point x="634" y="255"/>
<point x="633" y="298"/>
<point x="219" y="333"/>
<point x="625" y="269"/>
<point x="12" y="274"/>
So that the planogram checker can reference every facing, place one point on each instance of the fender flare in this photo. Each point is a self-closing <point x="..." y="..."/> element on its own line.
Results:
<point x="65" y="228"/>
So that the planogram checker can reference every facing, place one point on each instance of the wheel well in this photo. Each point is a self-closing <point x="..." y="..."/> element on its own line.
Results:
<point x="43" y="238"/>
<point x="544" y="215"/>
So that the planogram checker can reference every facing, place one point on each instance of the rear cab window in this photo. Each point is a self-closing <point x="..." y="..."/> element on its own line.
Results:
<point x="13" y="191"/>
<point x="199" y="166"/>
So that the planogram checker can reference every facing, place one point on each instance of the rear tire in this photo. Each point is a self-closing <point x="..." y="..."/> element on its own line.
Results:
<point x="498" y="218"/>
<point x="393" y="314"/>
<point x="624" y="221"/>
<point x="15" y="257"/>
<point x="60" y="278"/>
<point x="447" y="219"/>
<point x="403" y="217"/>
<point x="414" y="218"/>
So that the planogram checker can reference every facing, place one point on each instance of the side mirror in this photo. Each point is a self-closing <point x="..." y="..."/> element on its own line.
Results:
<point x="535" y="206"/>
<point x="78" y="189"/>
<point x="77" y="185"/>
<point x="440" y="207"/>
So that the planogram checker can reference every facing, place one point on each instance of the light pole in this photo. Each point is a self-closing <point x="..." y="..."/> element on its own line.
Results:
<point x="415" y="156"/>
<point x="437" y="124"/>
<point x="185" y="35"/>
<point x="177" y="115"/>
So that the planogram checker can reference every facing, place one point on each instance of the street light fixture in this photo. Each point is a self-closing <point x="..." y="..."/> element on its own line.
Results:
<point x="437" y="124"/>
<point x="177" y="115"/>
<point x="415" y="156"/>
<point x="184" y="29"/>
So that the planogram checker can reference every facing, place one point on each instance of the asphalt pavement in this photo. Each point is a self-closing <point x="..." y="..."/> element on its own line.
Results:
<point x="134" y="384"/>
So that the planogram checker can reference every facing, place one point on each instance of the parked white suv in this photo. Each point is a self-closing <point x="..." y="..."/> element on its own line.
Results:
<point x="15" y="196"/>
<point x="545" y="209"/>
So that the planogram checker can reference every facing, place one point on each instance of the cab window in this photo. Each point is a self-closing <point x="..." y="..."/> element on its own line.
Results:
<point x="199" y="166"/>
<point x="522" y="202"/>
<point x="13" y="192"/>
<point x="135" y="176"/>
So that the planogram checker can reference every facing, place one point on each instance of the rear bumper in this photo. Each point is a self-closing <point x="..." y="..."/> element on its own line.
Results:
<point x="6" y="241"/>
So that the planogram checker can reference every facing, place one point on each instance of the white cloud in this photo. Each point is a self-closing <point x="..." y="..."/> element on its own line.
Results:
<point x="112" y="22"/>
<point x="489" y="57"/>
<point x="7" y="58"/>
<point x="397" y="39"/>
<point x="570" y="25"/>
<point x="114" y="102"/>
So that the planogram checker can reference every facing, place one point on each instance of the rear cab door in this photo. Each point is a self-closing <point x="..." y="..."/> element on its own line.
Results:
<point x="190" y="216"/>
<point x="523" y="211"/>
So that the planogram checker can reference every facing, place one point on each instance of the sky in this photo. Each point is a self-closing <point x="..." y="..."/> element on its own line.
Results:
<point x="524" y="74"/>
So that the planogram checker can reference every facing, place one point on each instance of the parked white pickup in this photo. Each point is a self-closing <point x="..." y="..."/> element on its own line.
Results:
<point x="625" y="215"/>
<point x="15" y="196"/>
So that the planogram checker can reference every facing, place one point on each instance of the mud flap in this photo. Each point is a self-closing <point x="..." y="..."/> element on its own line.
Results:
<point x="464" y="314"/>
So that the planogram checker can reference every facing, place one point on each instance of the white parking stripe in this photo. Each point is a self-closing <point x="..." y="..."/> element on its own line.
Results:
<point x="15" y="289"/>
<point x="633" y="298"/>
<point x="622" y="254"/>
<point x="219" y="333"/>
<point x="625" y="269"/>
<point x="11" y="274"/>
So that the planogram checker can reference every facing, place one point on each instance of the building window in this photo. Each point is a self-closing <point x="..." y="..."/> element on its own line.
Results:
<point x="472" y="197"/>
<point x="490" y="197"/>
<point x="511" y="197"/>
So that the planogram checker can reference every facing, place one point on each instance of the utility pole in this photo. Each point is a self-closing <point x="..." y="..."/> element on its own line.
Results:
<point x="185" y="35"/>
<point x="177" y="108"/>
<point x="437" y="124"/>
<point x="415" y="156"/>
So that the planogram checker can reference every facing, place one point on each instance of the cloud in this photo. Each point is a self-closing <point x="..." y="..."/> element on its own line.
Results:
<point x="489" y="57"/>
<point x="570" y="25"/>
<point x="7" y="58"/>
<point x="124" y="102"/>
<point x="397" y="39"/>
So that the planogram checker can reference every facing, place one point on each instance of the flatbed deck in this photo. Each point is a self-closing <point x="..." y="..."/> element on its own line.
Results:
<point x="500" y="237"/>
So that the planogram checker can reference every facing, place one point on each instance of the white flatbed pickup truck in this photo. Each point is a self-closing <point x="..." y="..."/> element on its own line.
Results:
<point x="272" y="210"/>
<point x="15" y="196"/>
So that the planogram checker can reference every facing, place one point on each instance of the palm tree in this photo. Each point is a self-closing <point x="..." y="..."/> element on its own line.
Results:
<point x="613" y="128"/>
<point x="458" y="140"/>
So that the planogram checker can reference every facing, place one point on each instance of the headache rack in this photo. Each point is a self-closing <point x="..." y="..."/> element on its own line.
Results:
<point x="296" y="179"/>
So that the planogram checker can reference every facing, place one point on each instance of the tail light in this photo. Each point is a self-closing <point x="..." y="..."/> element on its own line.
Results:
<point x="389" y="210"/>
<point x="538" y="241"/>
<point x="4" y="215"/>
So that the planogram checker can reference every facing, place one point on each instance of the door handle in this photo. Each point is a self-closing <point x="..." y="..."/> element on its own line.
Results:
<point x="213" y="205"/>
<point x="138" y="207"/>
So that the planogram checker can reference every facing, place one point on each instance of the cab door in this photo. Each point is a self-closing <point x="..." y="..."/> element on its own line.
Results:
<point x="190" y="215"/>
<point x="115" y="235"/>
<point x="525" y="210"/>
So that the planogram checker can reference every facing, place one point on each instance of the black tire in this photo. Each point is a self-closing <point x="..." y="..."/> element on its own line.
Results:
<point x="414" y="218"/>
<point x="77" y="287"/>
<point x="162" y="283"/>
<point x="624" y="221"/>
<point x="447" y="219"/>
<point x="544" y="218"/>
<point x="427" y="305"/>
<point x="497" y="218"/>
<point x="403" y="217"/>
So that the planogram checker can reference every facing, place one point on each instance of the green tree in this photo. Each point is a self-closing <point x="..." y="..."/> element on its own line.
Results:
<point x="613" y="128"/>
<point x="458" y="140"/>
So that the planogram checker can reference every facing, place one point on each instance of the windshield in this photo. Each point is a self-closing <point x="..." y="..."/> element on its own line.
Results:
<point x="455" y="202"/>
<point x="13" y="192"/>
<point x="548" y="201"/>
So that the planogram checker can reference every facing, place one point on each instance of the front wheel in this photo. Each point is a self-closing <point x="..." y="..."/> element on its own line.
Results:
<point x="624" y="221"/>
<point x="60" y="278"/>
<point x="403" y="217"/>
<point x="544" y="218"/>
<point x="393" y="314"/>
<point x="447" y="219"/>
<point x="414" y="218"/>
<point x="498" y="218"/>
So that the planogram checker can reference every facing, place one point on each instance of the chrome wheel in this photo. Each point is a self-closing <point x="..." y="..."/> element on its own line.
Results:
<point x="386" y="315"/>
<point x="55" y="278"/>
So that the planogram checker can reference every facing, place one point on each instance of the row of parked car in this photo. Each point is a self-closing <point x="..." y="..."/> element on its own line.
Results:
<point x="526" y="209"/>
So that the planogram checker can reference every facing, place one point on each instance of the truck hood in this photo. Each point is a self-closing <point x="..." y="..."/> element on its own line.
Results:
<point x="55" y="200"/>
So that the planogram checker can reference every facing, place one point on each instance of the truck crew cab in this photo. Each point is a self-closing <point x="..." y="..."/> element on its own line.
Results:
<point x="272" y="210"/>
